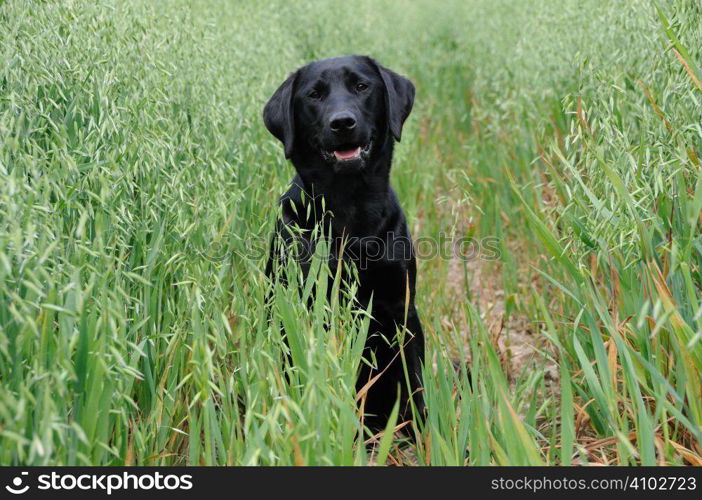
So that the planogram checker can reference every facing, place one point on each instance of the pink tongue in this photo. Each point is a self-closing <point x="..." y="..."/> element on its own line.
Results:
<point x="346" y="155"/>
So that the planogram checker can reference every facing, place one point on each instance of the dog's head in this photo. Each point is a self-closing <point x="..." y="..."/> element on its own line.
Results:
<point x="339" y="111"/>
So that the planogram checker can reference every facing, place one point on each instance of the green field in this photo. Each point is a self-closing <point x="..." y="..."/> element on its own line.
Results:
<point x="138" y="187"/>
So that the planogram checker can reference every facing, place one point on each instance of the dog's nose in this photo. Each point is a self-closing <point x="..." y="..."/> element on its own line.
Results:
<point x="342" y="121"/>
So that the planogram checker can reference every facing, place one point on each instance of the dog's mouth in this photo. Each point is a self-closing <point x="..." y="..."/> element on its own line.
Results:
<point x="347" y="153"/>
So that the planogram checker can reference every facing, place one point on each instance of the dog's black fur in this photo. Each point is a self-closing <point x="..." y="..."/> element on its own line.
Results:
<point x="338" y="120"/>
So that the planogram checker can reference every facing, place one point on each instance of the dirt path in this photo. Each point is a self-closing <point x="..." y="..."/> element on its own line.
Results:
<point x="517" y="340"/>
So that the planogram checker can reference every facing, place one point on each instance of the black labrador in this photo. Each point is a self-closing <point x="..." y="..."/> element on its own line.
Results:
<point x="338" y="120"/>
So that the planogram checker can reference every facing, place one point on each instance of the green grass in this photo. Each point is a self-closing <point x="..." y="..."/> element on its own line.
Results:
<point x="138" y="187"/>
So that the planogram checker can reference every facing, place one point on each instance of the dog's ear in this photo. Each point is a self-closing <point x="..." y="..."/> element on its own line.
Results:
<point x="399" y="98"/>
<point x="278" y="114"/>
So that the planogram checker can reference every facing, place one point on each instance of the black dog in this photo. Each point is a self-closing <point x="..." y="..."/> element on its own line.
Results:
<point x="338" y="120"/>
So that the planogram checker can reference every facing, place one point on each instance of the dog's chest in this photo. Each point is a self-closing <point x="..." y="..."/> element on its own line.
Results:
<point x="361" y="221"/>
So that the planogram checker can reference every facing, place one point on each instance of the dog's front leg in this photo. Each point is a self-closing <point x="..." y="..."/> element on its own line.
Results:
<point x="394" y="355"/>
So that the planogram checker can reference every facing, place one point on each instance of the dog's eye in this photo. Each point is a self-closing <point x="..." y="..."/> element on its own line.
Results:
<point x="315" y="94"/>
<point x="360" y="87"/>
